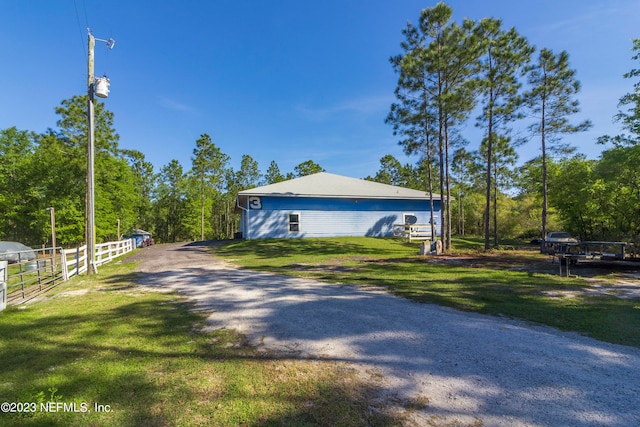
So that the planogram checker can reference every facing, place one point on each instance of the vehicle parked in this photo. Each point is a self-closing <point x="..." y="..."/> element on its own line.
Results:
<point x="142" y="238"/>
<point x="557" y="242"/>
<point x="14" y="252"/>
<point x="560" y="237"/>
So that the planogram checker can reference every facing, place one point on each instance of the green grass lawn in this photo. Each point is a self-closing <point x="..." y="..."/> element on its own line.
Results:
<point x="518" y="283"/>
<point x="144" y="360"/>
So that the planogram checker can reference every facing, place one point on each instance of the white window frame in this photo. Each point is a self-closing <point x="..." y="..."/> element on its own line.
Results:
<point x="290" y="223"/>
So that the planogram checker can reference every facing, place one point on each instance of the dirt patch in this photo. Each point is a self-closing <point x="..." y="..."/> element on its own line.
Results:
<point x="618" y="287"/>
<point x="525" y="261"/>
<point x="618" y="279"/>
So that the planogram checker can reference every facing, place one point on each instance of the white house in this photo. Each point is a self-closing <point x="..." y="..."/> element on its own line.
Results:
<point x="326" y="205"/>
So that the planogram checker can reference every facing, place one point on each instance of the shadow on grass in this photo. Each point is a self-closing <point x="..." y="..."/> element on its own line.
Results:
<point x="603" y="317"/>
<point x="516" y="284"/>
<point x="479" y="357"/>
<point x="144" y="359"/>
<point x="150" y="365"/>
<point x="487" y="289"/>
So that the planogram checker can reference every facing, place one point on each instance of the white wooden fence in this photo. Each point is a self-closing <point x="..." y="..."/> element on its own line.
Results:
<point x="28" y="278"/>
<point x="75" y="261"/>
<point x="413" y="231"/>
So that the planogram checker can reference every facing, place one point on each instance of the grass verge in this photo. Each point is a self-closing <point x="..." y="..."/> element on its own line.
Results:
<point x="514" y="283"/>
<point x="100" y="351"/>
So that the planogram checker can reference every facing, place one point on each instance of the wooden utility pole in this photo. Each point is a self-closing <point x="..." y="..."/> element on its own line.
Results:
<point x="90" y="230"/>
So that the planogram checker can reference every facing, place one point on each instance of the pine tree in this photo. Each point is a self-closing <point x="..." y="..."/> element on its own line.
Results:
<point x="209" y="165"/>
<point x="552" y="100"/>
<point x="505" y="57"/>
<point x="434" y="93"/>
<point x="273" y="174"/>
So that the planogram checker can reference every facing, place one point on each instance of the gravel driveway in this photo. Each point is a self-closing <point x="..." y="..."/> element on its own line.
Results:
<point x="473" y="369"/>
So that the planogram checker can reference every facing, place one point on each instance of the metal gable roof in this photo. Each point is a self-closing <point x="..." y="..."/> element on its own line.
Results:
<point x="325" y="184"/>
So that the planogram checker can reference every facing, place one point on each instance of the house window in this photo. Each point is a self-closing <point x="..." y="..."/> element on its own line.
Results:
<point x="294" y="222"/>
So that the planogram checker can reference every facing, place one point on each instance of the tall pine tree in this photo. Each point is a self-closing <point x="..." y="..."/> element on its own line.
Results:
<point x="552" y="101"/>
<point x="506" y="54"/>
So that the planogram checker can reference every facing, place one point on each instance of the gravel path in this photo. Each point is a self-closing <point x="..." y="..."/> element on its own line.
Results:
<point x="473" y="369"/>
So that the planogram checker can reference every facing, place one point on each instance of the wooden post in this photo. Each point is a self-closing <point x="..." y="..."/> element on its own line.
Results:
<point x="90" y="211"/>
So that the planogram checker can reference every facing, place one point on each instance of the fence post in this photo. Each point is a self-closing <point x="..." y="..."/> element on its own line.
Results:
<point x="38" y="273"/>
<point x="78" y="260"/>
<point x="53" y="265"/>
<point x="3" y="284"/>
<point x="63" y="261"/>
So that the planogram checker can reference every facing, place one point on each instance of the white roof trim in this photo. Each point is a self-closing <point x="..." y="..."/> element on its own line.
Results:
<point x="327" y="185"/>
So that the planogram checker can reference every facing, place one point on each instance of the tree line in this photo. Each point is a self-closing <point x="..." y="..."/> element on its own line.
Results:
<point x="38" y="171"/>
<point x="446" y="72"/>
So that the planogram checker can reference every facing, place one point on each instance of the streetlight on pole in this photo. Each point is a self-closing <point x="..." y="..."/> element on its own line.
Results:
<point x="99" y="87"/>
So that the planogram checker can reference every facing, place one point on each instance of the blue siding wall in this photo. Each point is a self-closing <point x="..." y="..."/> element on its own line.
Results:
<point x="332" y="217"/>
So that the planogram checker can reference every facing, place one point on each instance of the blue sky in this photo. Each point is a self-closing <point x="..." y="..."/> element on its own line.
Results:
<point x="280" y="80"/>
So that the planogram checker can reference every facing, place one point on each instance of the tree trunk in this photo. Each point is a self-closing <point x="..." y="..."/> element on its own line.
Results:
<point x="202" y="207"/>
<point x="544" y="179"/>
<point x="443" y="202"/>
<point x="487" y="208"/>
<point x="447" y="245"/>
<point x="495" y="205"/>
<point x="430" y="185"/>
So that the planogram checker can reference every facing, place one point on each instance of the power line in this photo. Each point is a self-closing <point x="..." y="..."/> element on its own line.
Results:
<point x="86" y="17"/>
<point x="82" y="35"/>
